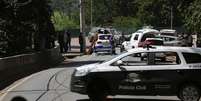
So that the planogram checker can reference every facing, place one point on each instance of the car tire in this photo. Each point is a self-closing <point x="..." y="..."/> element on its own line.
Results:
<point x="189" y="92"/>
<point x="97" y="92"/>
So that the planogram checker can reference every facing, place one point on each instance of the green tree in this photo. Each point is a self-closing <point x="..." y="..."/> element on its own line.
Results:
<point x="63" y="21"/>
<point x="66" y="14"/>
<point x="193" y="16"/>
<point x="24" y="23"/>
<point x="126" y="22"/>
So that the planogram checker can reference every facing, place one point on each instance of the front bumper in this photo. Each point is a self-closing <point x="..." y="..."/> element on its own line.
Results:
<point x="78" y="85"/>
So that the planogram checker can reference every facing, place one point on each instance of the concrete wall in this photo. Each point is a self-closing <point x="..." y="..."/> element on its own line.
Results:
<point x="16" y="67"/>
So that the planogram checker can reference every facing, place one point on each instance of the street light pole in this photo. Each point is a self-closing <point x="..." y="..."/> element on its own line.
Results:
<point x="91" y="14"/>
<point x="171" y="18"/>
<point x="82" y="23"/>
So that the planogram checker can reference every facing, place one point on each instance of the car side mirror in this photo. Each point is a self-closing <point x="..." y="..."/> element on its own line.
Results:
<point x="119" y="62"/>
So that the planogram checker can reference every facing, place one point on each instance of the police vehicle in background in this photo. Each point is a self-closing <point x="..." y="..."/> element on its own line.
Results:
<point x="104" y="44"/>
<point x="138" y="38"/>
<point x="142" y="71"/>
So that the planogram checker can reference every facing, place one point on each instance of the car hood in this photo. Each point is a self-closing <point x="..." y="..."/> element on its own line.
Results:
<point x="87" y="67"/>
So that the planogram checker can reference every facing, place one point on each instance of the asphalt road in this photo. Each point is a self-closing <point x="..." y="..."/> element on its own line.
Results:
<point x="54" y="84"/>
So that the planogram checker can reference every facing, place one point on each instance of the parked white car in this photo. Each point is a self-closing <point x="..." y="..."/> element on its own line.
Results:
<point x="139" y="37"/>
<point x="170" y="40"/>
<point x="169" y="37"/>
<point x="168" y="32"/>
<point x="178" y="73"/>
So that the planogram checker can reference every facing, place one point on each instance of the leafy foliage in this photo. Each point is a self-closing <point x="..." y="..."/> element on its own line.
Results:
<point x="126" y="22"/>
<point x="24" y="23"/>
<point x="62" y="21"/>
<point x="66" y="14"/>
<point x="193" y="16"/>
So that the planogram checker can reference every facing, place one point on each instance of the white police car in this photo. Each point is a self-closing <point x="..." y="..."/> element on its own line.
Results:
<point x="104" y="43"/>
<point x="134" y="73"/>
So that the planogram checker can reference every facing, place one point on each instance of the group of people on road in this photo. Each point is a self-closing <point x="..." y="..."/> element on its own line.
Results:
<point x="64" y="40"/>
<point x="188" y="40"/>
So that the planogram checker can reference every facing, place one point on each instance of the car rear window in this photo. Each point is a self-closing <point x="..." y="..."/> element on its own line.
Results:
<point x="105" y="37"/>
<point x="192" y="57"/>
<point x="147" y="36"/>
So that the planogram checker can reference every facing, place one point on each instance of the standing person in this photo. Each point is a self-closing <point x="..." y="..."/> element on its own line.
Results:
<point x="65" y="42"/>
<point x="81" y="42"/>
<point x="69" y="40"/>
<point x="189" y="40"/>
<point x="194" y="40"/>
<point x="184" y="40"/>
<point x="61" y="41"/>
<point x="112" y="44"/>
<point x="93" y="40"/>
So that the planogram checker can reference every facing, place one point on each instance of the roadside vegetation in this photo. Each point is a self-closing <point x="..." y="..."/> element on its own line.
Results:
<point x="29" y="25"/>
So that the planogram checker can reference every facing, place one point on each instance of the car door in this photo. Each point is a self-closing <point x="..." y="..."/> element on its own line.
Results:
<point x="164" y="75"/>
<point x="136" y="81"/>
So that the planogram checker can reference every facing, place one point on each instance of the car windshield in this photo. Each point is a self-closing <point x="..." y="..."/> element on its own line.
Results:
<point x="105" y="37"/>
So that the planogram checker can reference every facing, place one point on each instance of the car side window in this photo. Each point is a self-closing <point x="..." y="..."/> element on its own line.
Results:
<point x="166" y="58"/>
<point x="137" y="59"/>
<point x="192" y="57"/>
<point x="136" y="37"/>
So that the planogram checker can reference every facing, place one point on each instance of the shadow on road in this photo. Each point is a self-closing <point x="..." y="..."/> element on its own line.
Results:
<point x="137" y="99"/>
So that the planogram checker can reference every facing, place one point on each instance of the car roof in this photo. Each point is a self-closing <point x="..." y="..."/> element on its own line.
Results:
<point x="146" y="30"/>
<point x="154" y="39"/>
<point x="168" y="36"/>
<point x="168" y="31"/>
<point x="167" y="48"/>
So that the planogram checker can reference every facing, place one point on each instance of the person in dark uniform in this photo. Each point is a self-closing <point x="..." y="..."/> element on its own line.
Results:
<point x="65" y="42"/>
<point x="81" y="42"/>
<point x="112" y="44"/>
<point x="69" y="40"/>
<point x="61" y="41"/>
<point x="189" y="40"/>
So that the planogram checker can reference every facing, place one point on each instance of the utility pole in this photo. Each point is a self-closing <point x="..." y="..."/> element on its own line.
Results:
<point x="171" y="18"/>
<point x="82" y="22"/>
<point x="91" y="14"/>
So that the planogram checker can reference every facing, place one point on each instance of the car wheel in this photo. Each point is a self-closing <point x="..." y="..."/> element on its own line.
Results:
<point x="97" y="93"/>
<point x="189" y="93"/>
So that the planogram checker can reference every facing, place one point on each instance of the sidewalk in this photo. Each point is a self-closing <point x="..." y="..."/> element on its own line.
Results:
<point x="75" y="48"/>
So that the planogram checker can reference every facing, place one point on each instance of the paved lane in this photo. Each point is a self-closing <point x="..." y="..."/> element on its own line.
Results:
<point x="48" y="85"/>
<point x="54" y="84"/>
